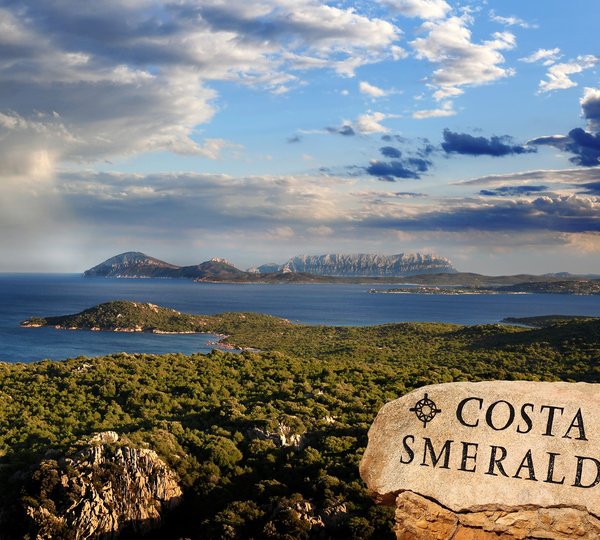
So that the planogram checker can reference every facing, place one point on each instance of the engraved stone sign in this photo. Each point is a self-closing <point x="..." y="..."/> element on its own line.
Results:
<point x="499" y="444"/>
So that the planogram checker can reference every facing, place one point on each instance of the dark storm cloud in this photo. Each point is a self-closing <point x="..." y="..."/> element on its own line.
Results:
<point x="294" y="139"/>
<point x="590" y="106"/>
<point x="512" y="191"/>
<point x="345" y="130"/>
<point x="558" y="213"/>
<point x="390" y="171"/>
<point x="591" y="188"/>
<point x="584" y="146"/>
<point x="390" y="152"/>
<point x="466" y="144"/>
<point x="397" y="169"/>
<point x="391" y="138"/>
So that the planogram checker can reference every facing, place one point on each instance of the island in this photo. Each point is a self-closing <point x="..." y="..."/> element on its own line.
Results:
<point x="584" y="287"/>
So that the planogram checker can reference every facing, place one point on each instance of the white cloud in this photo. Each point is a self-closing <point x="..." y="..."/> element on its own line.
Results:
<point x="548" y="56"/>
<point x="211" y="148"/>
<point x="510" y="21"/>
<point x="371" y="90"/>
<point x="445" y="110"/>
<point x="371" y="122"/>
<point x="461" y="62"/>
<point x="423" y="9"/>
<point x="125" y="79"/>
<point x="558" y="75"/>
<point x="321" y="230"/>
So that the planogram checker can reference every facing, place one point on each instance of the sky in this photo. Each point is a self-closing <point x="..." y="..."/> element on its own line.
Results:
<point x="258" y="130"/>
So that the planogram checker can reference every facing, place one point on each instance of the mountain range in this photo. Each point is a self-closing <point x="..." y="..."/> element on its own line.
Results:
<point x="418" y="269"/>
<point x="137" y="265"/>
<point x="362" y="265"/>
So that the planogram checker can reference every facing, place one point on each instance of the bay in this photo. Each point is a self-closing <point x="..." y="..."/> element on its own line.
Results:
<point x="25" y="295"/>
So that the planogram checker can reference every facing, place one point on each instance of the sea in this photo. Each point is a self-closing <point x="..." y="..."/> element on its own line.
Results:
<point x="26" y="295"/>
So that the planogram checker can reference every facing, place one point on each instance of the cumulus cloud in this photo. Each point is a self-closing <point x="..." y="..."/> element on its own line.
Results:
<point x="559" y="75"/>
<point x="371" y="90"/>
<point x="466" y="144"/>
<point x="423" y="9"/>
<point x="118" y="78"/>
<point x="546" y="56"/>
<point x="584" y="145"/>
<point x="372" y="122"/>
<point x="461" y="62"/>
<point x="590" y="107"/>
<point x="445" y="110"/>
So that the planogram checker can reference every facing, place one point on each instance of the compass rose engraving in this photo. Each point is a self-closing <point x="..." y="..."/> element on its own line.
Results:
<point x="425" y="410"/>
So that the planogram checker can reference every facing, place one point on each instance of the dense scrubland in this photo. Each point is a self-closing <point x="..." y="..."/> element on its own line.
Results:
<point x="267" y="444"/>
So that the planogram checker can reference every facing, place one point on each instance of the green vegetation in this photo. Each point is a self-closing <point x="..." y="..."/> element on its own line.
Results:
<point x="218" y="419"/>
<point x="582" y="286"/>
<point x="547" y="320"/>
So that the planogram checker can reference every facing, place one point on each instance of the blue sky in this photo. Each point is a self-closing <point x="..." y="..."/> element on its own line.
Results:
<point x="264" y="129"/>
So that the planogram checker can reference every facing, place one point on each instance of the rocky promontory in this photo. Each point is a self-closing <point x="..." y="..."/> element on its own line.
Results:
<point x="103" y="489"/>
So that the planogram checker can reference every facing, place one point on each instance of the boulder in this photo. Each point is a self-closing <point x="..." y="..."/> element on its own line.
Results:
<point x="496" y="459"/>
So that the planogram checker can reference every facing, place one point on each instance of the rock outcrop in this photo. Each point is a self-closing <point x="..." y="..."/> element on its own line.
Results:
<point x="418" y="518"/>
<point x="101" y="490"/>
<point x="368" y="265"/>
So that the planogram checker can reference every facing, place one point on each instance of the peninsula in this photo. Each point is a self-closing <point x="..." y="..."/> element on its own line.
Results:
<point x="251" y="442"/>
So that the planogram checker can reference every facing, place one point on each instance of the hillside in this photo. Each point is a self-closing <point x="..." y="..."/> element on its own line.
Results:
<point x="265" y="445"/>
<point x="132" y="264"/>
<point x="584" y="286"/>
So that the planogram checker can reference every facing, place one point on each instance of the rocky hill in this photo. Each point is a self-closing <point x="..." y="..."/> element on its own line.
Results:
<point x="134" y="264"/>
<point x="124" y="316"/>
<point x="363" y="265"/>
<point x="105" y="488"/>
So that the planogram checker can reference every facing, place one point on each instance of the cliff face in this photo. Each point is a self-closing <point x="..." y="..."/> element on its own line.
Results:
<point x="364" y="264"/>
<point x="103" y="489"/>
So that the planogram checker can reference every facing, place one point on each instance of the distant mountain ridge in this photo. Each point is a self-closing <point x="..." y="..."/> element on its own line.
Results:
<point x="134" y="264"/>
<point x="363" y="265"/>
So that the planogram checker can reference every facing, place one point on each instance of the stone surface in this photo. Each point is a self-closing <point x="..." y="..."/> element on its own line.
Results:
<point x="489" y="446"/>
<point x="418" y="518"/>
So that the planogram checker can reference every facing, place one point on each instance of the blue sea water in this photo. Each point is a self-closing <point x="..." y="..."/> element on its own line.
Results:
<point x="25" y="295"/>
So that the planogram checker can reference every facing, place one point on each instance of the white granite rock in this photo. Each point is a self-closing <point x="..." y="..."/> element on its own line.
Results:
<point x="489" y="445"/>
